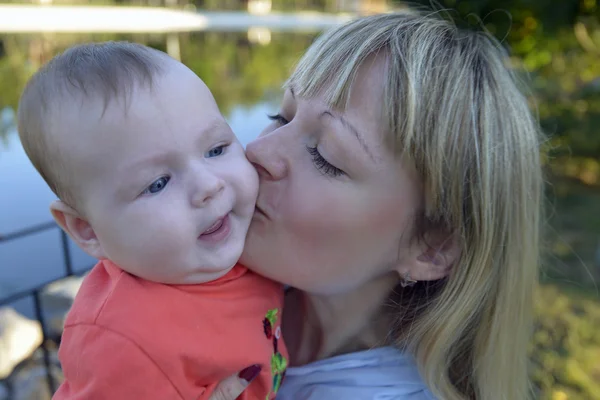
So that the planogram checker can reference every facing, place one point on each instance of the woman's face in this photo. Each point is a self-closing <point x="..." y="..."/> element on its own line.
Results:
<point x="335" y="207"/>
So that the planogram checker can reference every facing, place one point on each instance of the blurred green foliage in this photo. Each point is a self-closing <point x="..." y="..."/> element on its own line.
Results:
<point x="557" y="45"/>
<point x="238" y="71"/>
<point x="565" y="350"/>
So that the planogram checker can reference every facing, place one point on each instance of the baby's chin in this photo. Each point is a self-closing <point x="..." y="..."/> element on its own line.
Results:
<point x="193" y="276"/>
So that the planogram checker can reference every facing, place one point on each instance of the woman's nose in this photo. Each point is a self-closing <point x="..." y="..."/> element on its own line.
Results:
<point x="267" y="154"/>
<point x="208" y="186"/>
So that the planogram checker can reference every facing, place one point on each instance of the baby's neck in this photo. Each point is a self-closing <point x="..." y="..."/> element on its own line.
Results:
<point x="337" y="324"/>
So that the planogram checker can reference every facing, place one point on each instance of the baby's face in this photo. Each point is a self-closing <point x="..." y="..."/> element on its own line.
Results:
<point x="167" y="187"/>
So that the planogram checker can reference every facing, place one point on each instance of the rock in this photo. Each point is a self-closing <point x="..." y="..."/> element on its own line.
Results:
<point x="29" y="380"/>
<point x="56" y="301"/>
<point x="31" y="383"/>
<point x="19" y="337"/>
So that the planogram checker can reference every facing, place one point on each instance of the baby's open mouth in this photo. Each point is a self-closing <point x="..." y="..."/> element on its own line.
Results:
<point x="218" y="231"/>
<point x="215" y="227"/>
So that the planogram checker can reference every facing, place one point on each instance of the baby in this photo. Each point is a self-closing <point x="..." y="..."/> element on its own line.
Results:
<point x="154" y="184"/>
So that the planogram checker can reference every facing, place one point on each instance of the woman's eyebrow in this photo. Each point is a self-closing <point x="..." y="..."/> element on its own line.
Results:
<point x="350" y="128"/>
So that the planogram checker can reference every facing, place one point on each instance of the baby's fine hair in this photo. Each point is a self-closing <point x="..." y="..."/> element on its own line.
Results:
<point x="107" y="70"/>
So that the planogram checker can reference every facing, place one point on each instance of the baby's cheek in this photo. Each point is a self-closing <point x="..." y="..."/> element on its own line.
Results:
<point x="246" y="186"/>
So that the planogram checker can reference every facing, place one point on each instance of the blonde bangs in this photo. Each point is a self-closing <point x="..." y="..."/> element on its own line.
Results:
<point x="330" y="65"/>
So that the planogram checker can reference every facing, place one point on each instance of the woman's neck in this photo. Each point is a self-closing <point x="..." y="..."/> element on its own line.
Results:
<point x="320" y="326"/>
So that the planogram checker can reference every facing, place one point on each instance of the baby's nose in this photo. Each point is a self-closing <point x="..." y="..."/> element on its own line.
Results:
<point x="208" y="187"/>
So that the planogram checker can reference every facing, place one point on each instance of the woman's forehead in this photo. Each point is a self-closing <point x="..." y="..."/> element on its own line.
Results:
<point x="362" y="115"/>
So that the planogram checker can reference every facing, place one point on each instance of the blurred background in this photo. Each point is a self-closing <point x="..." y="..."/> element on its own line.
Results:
<point x="244" y="50"/>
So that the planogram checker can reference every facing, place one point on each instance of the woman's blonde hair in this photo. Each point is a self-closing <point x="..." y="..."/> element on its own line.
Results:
<point x="455" y="110"/>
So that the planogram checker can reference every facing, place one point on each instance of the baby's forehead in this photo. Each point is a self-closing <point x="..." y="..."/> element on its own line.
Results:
<point x="81" y="126"/>
<point x="177" y="104"/>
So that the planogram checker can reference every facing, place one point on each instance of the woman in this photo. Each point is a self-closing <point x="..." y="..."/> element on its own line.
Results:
<point x="400" y="195"/>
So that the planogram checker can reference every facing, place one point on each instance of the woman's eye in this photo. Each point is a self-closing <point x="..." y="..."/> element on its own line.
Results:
<point x="278" y="118"/>
<point x="157" y="185"/>
<point x="215" y="151"/>
<point x="322" y="164"/>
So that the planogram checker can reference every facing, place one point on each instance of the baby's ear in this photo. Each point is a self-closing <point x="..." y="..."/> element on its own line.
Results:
<point x="78" y="228"/>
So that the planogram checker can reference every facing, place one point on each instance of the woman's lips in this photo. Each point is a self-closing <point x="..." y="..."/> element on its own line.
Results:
<point x="218" y="231"/>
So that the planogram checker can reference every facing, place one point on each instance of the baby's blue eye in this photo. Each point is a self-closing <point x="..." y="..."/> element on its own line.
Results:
<point x="157" y="185"/>
<point x="216" y="151"/>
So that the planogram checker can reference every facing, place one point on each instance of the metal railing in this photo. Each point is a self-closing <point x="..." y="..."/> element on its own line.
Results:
<point x="37" y="289"/>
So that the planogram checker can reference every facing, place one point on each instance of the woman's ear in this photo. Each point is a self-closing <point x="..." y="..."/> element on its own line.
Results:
<point x="78" y="228"/>
<point x="433" y="258"/>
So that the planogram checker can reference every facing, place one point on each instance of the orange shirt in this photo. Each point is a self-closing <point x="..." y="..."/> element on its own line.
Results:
<point x="127" y="338"/>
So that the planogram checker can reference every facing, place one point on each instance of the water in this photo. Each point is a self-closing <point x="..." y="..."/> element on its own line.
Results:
<point x="245" y="78"/>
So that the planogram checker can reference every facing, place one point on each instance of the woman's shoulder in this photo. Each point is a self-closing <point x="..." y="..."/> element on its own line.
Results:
<point x="381" y="373"/>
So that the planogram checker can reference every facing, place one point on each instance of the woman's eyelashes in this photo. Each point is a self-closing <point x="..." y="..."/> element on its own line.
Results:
<point x="322" y="164"/>
<point x="278" y="118"/>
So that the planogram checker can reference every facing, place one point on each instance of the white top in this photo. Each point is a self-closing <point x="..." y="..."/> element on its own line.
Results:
<point x="383" y="373"/>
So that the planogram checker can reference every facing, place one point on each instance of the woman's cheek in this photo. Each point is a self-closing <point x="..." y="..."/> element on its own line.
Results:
<point x="321" y="214"/>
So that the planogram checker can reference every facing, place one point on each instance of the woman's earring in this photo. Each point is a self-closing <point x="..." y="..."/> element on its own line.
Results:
<point x="406" y="281"/>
